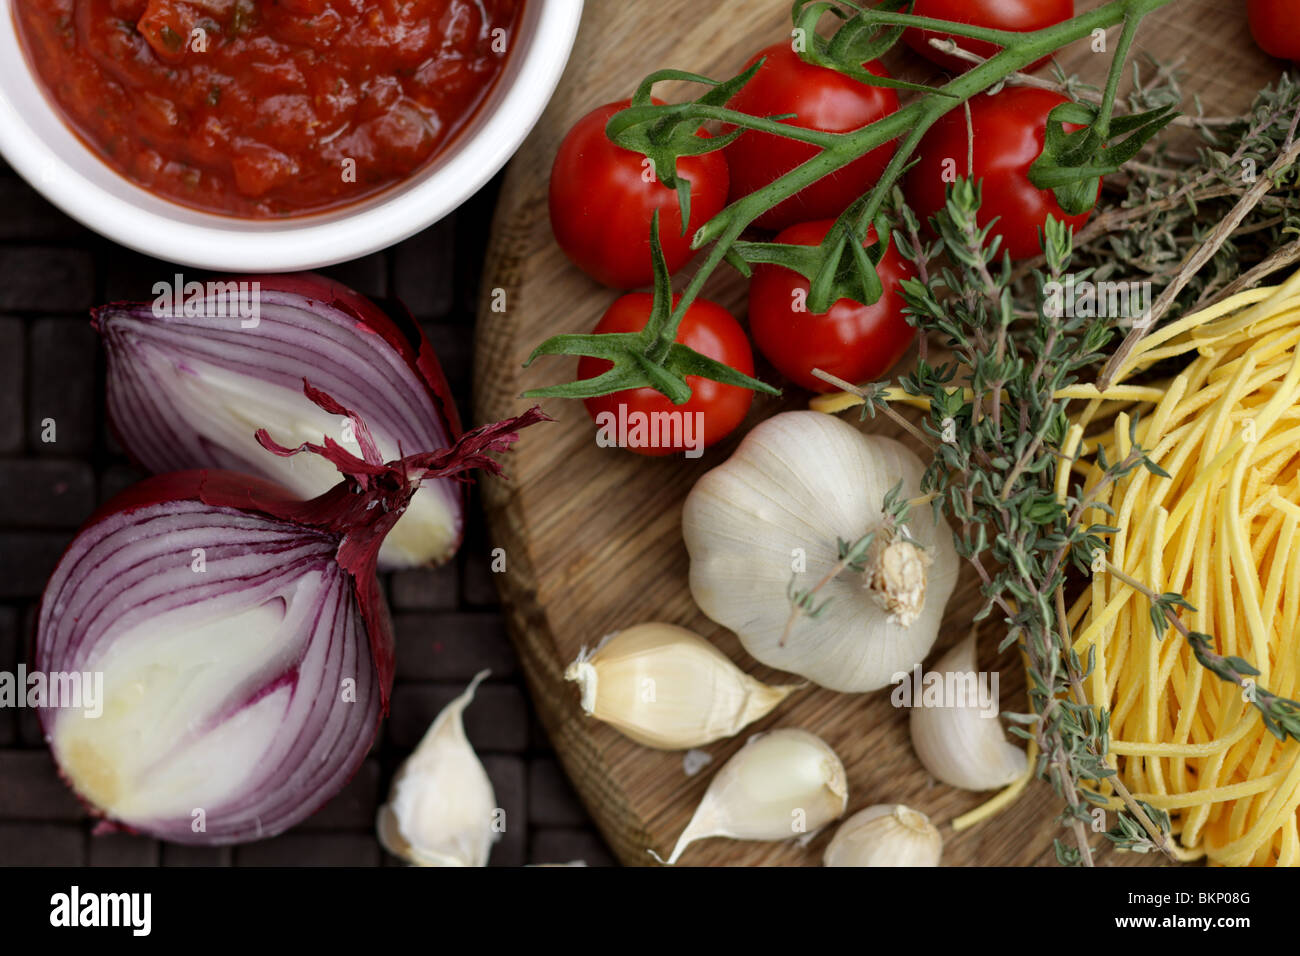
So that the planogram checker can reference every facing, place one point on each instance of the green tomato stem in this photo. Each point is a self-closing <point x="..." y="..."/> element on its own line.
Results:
<point x="762" y="124"/>
<point x="1113" y="77"/>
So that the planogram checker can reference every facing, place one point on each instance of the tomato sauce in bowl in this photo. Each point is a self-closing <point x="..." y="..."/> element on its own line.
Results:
<point x="267" y="109"/>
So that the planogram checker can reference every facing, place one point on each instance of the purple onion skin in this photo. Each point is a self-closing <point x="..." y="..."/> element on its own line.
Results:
<point x="239" y="634"/>
<point x="293" y="732"/>
<point x="306" y="327"/>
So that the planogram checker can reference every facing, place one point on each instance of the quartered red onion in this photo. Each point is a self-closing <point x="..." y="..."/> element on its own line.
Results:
<point x="193" y="374"/>
<point x="245" y="649"/>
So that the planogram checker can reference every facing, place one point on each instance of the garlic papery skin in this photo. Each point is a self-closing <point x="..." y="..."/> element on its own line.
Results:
<point x="441" y="809"/>
<point x="897" y="579"/>
<point x="772" y="516"/>
<point x="964" y="746"/>
<point x="668" y="688"/>
<point x="780" y="785"/>
<point x="885" y="835"/>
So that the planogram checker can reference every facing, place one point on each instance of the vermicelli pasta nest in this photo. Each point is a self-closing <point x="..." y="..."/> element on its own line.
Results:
<point x="1223" y="530"/>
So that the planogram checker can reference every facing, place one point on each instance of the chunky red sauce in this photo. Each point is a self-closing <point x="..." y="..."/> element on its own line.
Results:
<point x="267" y="109"/>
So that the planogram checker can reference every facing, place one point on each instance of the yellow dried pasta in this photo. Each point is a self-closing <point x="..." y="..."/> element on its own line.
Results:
<point x="1223" y="530"/>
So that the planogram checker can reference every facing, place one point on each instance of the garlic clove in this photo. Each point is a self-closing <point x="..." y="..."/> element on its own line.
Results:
<point x="441" y="808"/>
<point x="885" y="835"/>
<point x="773" y="515"/>
<point x="962" y="746"/>
<point x="779" y="785"/>
<point x="668" y="688"/>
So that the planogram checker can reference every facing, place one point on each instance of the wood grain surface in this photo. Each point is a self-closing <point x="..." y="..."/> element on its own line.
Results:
<point x="592" y="536"/>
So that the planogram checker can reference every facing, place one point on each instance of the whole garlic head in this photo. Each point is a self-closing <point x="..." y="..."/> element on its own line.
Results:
<point x="798" y="484"/>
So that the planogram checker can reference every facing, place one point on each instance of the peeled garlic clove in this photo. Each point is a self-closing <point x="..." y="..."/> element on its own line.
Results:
<point x="668" y="688"/>
<point x="779" y="785"/>
<point x="885" y="835"/>
<point x="441" y="806"/>
<point x="774" y="514"/>
<point x="964" y="746"/>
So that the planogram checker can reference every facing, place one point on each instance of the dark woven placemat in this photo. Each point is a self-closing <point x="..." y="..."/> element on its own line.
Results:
<point x="448" y="624"/>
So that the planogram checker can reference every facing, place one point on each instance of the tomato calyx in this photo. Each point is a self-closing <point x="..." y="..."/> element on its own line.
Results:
<point x="861" y="38"/>
<point x="650" y="358"/>
<point x="664" y="133"/>
<point x="1073" y="163"/>
<point x="843" y="266"/>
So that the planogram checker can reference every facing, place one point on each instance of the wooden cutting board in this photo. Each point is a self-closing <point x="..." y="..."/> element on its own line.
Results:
<point x="592" y="536"/>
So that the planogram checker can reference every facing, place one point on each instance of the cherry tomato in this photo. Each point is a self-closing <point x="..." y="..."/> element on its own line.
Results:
<point x="857" y="342"/>
<point x="821" y="99"/>
<point x="1275" y="25"/>
<point x="1018" y="15"/>
<point x="707" y="328"/>
<point x="1008" y="131"/>
<point x="602" y="198"/>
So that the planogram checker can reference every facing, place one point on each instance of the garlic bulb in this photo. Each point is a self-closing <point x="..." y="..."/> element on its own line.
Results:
<point x="668" y="688"/>
<point x="885" y="835"/>
<point x="779" y="785"/>
<point x="441" y="809"/>
<point x="964" y="746"/>
<point x="776" y="511"/>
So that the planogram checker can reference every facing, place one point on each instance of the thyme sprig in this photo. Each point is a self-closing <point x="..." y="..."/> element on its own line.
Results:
<point x="1203" y="219"/>
<point x="1280" y="715"/>
<point x="1267" y="191"/>
<point x="998" y="427"/>
<point x="1001" y="433"/>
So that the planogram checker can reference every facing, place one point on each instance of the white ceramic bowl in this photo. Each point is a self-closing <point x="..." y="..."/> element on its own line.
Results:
<point x="38" y="144"/>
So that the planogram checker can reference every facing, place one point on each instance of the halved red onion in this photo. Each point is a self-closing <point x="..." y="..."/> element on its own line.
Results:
<point x="190" y="381"/>
<point x="245" y="649"/>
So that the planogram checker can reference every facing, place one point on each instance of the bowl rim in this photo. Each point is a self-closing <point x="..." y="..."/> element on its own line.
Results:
<point x="228" y="244"/>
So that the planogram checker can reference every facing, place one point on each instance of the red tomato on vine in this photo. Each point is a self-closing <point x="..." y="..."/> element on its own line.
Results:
<point x="714" y="409"/>
<point x="1007" y="135"/>
<point x="1020" y="16"/>
<point x="821" y="99"/>
<point x="1275" y="25"/>
<point x="602" y="198"/>
<point x="856" y="342"/>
